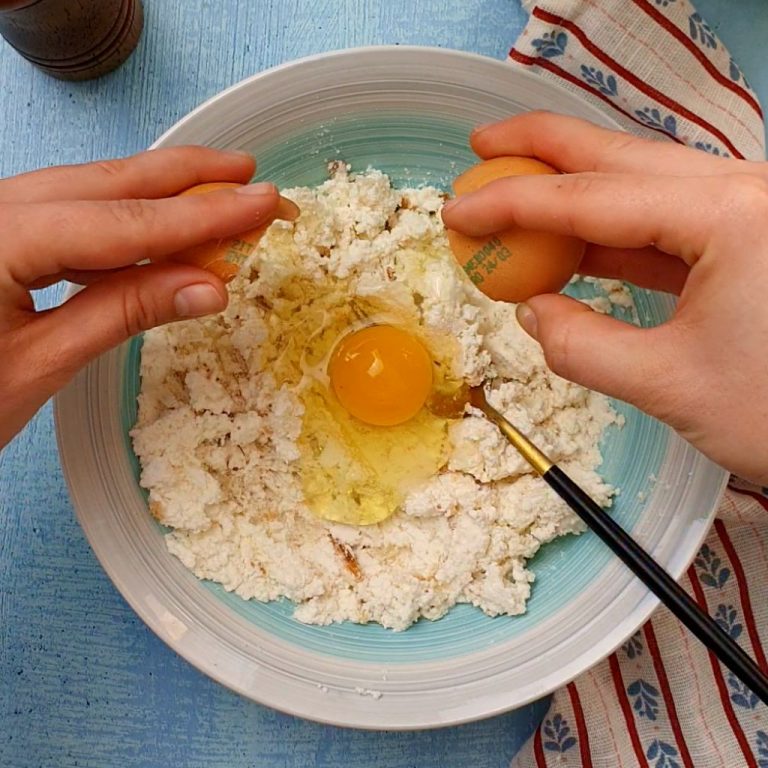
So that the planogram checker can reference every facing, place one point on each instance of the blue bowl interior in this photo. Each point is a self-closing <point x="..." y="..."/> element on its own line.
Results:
<point x="416" y="151"/>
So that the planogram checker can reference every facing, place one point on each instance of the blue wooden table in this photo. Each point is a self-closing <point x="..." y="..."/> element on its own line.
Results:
<point x="82" y="681"/>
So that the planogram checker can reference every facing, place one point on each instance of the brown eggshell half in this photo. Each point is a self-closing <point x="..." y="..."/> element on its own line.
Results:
<point x="515" y="264"/>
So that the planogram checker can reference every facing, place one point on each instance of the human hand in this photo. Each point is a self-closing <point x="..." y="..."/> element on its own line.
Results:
<point x="663" y="217"/>
<point x="86" y="224"/>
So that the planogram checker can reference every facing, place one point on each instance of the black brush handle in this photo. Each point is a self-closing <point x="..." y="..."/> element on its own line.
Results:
<point x="659" y="582"/>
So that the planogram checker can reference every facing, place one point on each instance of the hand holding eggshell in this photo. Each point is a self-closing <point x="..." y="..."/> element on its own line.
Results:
<point x="97" y="224"/>
<point x="516" y="263"/>
<point x="222" y="257"/>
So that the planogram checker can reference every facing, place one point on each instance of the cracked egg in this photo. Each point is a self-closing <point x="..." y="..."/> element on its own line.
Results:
<point x="377" y="393"/>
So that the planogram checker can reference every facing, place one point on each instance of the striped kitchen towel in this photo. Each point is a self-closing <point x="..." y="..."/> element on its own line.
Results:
<point x="655" y="66"/>
<point x="662" y="700"/>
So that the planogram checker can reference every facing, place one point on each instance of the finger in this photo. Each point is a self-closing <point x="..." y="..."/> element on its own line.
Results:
<point x="78" y="277"/>
<point x="602" y="353"/>
<point x="223" y="258"/>
<point x="573" y="145"/>
<point x="53" y="237"/>
<point x="153" y="174"/>
<point x="643" y="267"/>
<point x="115" y="308"/>
<point x="676" y="215"/>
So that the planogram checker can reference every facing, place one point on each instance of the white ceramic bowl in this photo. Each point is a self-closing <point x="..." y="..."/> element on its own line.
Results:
<point x="408" y="112"/>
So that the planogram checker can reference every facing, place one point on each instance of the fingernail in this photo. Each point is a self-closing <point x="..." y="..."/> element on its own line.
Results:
<point x="261" y="188"/>
<point x="480" y="128"/>
<point x="240" y="153"/>
<point x="287" y="210"/>
<point x="451" y="204"/>
<point x="527" y="319"/>
<point x="197" y="300"/>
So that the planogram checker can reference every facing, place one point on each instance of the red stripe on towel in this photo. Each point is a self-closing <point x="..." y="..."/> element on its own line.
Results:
<point x="630" y="77"/>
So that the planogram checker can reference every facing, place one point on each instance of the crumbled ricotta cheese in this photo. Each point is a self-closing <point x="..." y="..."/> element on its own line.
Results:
<point x="217" y="436"/>
<point x="613" y="294"/>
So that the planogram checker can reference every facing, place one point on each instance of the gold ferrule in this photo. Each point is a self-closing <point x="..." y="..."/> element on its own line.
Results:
<point x="538" y="460"/>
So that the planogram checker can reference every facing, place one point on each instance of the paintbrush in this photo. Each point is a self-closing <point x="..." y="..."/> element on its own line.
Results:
<point x="631" y="554"/>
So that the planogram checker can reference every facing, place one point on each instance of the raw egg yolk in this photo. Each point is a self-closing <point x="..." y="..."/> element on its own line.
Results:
<point x="381" y="375"/>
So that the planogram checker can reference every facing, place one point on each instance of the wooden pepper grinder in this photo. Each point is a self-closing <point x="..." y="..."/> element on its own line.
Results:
<point x="73" y="39"/>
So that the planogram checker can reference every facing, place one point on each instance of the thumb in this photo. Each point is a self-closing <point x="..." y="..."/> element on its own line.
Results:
<point x="111" y="310"/>
<point x="602" y="353"/>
